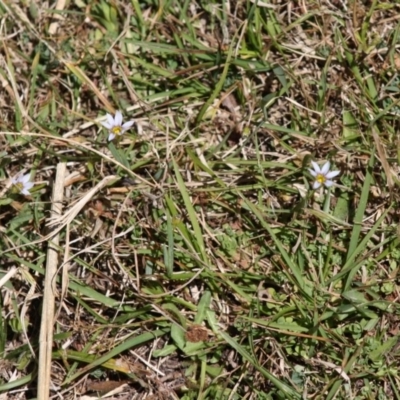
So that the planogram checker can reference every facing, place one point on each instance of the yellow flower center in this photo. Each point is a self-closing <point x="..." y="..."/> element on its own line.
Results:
<point x="17" y="187"/>
<point x="116" y="130"/>
<point x="320" y="178"/>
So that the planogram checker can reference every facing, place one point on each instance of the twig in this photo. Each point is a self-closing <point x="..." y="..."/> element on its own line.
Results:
<point x="47" y="323"/>
<point x="54" y="25"/>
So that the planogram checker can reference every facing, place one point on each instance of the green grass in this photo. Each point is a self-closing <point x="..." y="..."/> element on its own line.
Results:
<point x="195" y="260"/>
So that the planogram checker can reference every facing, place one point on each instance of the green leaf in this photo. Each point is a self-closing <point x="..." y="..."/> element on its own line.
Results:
<point x="280" y="384"/>
<point x="197" y="239"/>
<point x="203" y="307"/>
<point x="118" y="155"/>
<point x="178" y="336"/>
<point x="297" y="277"/>
<point x="355" y="296"/>
<point x="383" y="349"/>
<point x="117" y="350"/>
<point x="341" y="211"/>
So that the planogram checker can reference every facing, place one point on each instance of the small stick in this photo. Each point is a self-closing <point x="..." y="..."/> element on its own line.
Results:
<point x="54" y="25"/>
<point x="49" y="293"/>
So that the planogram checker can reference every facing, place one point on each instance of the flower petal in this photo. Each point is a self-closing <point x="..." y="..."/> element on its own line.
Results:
<point x="29" y="185"/>
<point x="316" y="167"/>
<point x="328" y="183"/>
<point x="111" y="136"/>
<point x="107" y="125"/>
<point x="25" y="179"/>
<point x="332" y="174"/>
<point x="110" y="120"/>
<point x="316" y="185"/>
<point x="118" y="118"/>
<point x="312" y="172"/>
<point x="325" y="168"/>
<point x="127" y="125"/>
<point x="25" y="192"/>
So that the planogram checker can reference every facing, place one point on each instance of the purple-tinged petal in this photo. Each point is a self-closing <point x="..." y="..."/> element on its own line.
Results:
<point x="325" y="168"/>
<point x="118" y="118"/>
<point x="127" y="125"/>
<point x="316" y="185"/>
<point x="107" y="125"/>
<point x="316" y="167"/>
<point x="312" y="172"/>
<point x="110" y="119"/>
<point x="29" y="185"/>
<point x="328" y="183"/>
<point x="111" y="136"/>
<point x="332" y="174"/>
<point x="25" y="179"/>
<point x="25" y="192"/>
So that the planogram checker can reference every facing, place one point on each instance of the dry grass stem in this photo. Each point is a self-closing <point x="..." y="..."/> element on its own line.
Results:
<point x="50" y="291"/>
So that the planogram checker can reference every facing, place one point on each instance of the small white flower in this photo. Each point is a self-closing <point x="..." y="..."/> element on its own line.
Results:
<point x="22" y="183"/>
<point x="322" y="175"/>
<point x="115" y="126"/>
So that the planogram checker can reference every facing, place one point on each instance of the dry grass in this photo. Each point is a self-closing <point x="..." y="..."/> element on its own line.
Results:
<point x="194" y="260"/>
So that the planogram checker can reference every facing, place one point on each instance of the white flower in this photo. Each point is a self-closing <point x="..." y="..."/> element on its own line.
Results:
<point x="115" y="126"/>
<point x="322" y="175"/>
<point x="22" y="183"/>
